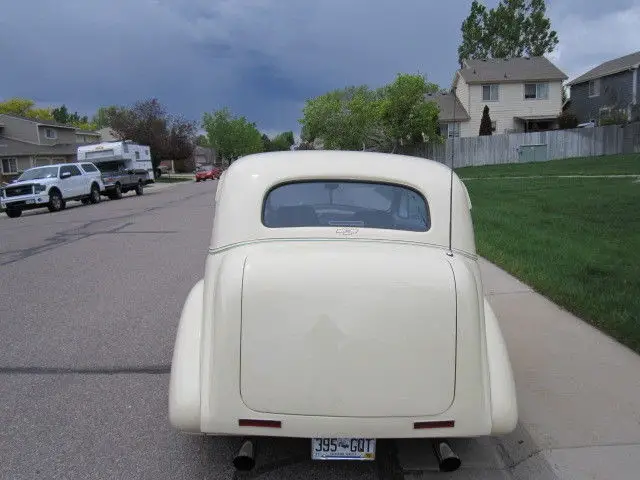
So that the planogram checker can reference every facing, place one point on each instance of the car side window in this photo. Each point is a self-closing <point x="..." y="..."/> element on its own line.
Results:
<point x="87" y="167"/>
<point x="71" y="169"/>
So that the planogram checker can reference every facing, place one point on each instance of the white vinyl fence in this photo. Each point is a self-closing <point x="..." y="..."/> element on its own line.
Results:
<point x="534" y="146"/>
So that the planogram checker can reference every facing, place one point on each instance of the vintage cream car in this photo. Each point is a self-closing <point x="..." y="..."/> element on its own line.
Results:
<point x="341" y="302"/>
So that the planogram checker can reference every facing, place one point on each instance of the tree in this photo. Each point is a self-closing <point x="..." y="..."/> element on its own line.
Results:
<point x="201" y="141"/>
<point x="102" y="116"/>
<point x="359" y="118"/>
<point x="514" y="28"/>
<point x="281" y="142"/>
<point x="343" y="119"/>
<point x="148" y="123"/>
<point x="407" y="116"/>
<point x="231" y="136"/>
<point x="62" y="115"/>
<point x="485" y="122"/>
<point x="567" y="120"/>
<point x="266" y="142"/>
<point x="24" y="107"/>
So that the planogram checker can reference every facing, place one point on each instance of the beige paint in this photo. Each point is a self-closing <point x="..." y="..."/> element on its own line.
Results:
<point x="511" y="103"/>
<point x="300" y="324"/>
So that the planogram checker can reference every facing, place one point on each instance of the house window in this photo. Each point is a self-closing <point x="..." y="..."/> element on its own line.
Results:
<point x="494" y="126"/>
<point x="42" y="162"/>
<point x="594" y="88"/>
<point x="24" y="164"/>
<point x="490" y="93"/>
<point x="50" y="133"/>
<point x="453" y="129"/>
<point x="536" y="91"/>
<point x="9" y="165"/>
<point x="137" y="155"/>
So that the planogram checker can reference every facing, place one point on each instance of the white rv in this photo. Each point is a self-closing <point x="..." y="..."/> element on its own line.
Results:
<point x="124" y="165"/>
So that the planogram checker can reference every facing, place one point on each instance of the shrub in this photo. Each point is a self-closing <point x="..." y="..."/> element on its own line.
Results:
<point x="567" y="120"/>
<point x="485" y="123"/>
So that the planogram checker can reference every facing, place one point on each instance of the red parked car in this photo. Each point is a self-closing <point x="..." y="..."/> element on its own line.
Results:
<point x="207" y="172"/>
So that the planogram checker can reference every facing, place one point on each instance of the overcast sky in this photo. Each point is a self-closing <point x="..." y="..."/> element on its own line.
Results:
<point x="262" y="58"/>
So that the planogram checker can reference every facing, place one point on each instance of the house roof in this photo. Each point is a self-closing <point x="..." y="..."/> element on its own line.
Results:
<point x="17" y="148"/>
<point x="609" y="67"/>
<point x="446" y="102"/>
<point x="517" y="69"/>
<point x="48" y="123"/>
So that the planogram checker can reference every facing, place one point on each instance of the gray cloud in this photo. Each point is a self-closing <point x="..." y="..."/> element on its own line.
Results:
<point x="262" y="58"/>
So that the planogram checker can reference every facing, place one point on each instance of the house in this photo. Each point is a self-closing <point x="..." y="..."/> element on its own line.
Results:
<point x="610" y="88"/>
<point x="27" y="143"/>
<point x="200" y="156"/>
<point x="523" y="94"/>
<point x="452" y="113"/>
<point x="85" y="136"/>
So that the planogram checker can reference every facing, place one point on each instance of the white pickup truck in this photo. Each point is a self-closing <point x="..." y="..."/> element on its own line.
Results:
<point x="52" y="187"/>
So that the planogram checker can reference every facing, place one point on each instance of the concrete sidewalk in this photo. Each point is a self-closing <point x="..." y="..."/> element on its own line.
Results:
<point x="578" y="390"/>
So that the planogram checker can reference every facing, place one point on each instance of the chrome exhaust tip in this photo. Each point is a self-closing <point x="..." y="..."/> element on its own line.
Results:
<point x="245" y="458"/>
<point x="448" y="461"/>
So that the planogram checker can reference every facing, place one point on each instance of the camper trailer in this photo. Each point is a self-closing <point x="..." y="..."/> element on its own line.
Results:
<point x="124" y="165"/>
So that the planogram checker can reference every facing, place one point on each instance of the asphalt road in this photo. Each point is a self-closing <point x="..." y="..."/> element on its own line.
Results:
<point x="90" y="299"/>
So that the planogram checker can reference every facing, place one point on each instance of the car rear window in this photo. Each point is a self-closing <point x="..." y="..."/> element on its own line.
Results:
<point x="323" y="203"/>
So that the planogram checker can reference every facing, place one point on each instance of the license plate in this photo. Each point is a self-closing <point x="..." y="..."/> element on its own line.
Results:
<point x="343" y="448"/>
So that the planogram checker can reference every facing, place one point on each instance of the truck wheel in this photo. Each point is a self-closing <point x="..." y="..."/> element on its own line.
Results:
<point x="94" y="196"/>
<point x="139" y="188"/>
<point x="117" y="192"/>
<point x="56" y="203"/>
<point x="13" y="212"/>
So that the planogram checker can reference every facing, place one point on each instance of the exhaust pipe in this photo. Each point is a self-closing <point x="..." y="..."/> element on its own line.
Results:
<point x="448" y="461"/>
<point x="245" y="458"/>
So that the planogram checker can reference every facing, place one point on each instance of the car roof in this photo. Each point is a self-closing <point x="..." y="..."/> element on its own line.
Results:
<point x="60" y="165"/>
<point x="239" y="217"/>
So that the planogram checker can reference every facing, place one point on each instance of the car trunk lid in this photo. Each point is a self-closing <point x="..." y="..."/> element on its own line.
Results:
<point x="351" y="329"/>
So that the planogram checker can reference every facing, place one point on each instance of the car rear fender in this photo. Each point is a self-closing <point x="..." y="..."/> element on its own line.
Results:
<point x="184" y="384"/>
<point x="504" y="408"/>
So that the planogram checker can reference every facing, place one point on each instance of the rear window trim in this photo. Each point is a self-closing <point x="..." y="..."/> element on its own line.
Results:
<point x="350" y="180"/>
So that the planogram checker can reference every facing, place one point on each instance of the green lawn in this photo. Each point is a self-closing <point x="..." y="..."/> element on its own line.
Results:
<point x="608" y="165"/>
<point x="576" y="241"/>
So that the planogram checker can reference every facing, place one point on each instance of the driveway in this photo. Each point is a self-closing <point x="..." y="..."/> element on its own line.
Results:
<point x="91" y="298"/>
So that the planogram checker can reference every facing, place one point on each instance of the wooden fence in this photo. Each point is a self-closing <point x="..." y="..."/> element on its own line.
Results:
<point x="533" y="146"/>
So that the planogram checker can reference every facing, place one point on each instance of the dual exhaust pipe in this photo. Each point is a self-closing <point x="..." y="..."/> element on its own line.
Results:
<point x="448" y="461"/>
<point x="245" y="459"/>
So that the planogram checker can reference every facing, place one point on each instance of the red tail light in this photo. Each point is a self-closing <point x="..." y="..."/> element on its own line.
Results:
<point x="438" y="424"/>
<point x="247" y="422"/>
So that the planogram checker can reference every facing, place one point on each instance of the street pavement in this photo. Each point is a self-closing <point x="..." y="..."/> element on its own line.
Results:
<point x="90" y="302"/>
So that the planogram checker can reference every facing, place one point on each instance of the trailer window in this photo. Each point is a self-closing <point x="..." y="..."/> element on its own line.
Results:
<point x="346" y="203"/>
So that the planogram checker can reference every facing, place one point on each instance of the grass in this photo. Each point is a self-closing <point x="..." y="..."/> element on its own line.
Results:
<point x="574" y="240"/>
<point x="606" y="165"/>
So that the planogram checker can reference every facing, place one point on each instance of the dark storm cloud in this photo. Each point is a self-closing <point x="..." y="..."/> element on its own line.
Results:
<point x="262" y="58"/>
